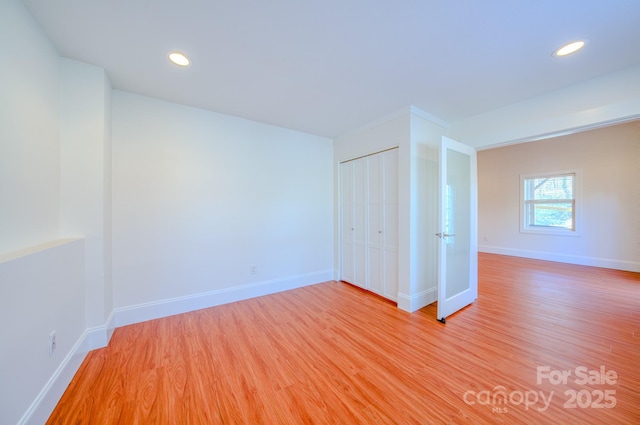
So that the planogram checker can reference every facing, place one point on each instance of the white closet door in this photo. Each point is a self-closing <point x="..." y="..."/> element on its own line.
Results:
<point x="359" y="223"/>
<point x="375" y="238"/>
<point x="382" y="242"/>
<point x="369" y="222"/>
<point x="346" y="222"/>
<point x="390" y="223"/>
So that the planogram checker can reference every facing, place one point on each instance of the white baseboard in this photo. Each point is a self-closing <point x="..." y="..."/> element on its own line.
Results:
<point x="563" y="258"/>
<point x="99" y="336"/>
<point x="418" y="300"/>
<point x="40" y="410"/>
<point x="168" y="307"/>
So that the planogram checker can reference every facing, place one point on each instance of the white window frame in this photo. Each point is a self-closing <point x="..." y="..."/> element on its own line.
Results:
<point x="577" y="205"/>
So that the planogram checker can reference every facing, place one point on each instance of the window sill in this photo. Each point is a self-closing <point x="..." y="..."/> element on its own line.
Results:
<point x="553" y="231"/>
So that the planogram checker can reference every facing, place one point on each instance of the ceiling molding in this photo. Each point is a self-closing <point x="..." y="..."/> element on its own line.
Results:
<point x="429" y="117"/>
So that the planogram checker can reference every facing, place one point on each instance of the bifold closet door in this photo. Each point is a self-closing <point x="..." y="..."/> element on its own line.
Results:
<point x="375" y="230"/>
<point x="369" y="222"/>
<point x="382" y="229"/>
<point x="346" y="222"/>
<point x="353" y="222"/>
<point x="390" y="234"/>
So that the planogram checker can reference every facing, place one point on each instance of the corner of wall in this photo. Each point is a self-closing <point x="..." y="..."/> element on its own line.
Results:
<point x="85" y="193"/>
<point x="411" y="303"/>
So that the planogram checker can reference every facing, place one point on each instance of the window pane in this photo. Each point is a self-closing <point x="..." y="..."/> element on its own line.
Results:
<point x="558" y="187"/>
<point x="553" y="215"/>
<point x="549" y="203"/>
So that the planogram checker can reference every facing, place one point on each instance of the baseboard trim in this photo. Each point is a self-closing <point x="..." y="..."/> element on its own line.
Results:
<point x="416" y="301"/>
<point x="606" y="263"/>
<point x="99" y="336"/>
<point x="169" y="307"/>
<point x="40" y="409"/>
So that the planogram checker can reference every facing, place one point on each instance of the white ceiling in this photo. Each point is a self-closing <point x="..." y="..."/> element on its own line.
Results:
<point x="328" y="67"/>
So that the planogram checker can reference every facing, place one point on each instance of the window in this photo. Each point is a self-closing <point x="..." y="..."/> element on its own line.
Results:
<point x="549" y="203"/>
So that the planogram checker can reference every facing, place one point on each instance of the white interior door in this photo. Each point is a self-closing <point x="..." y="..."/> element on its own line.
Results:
<point x="353" y="222"/>
<point x="359" y="223"/>
<point x="382" y="236"/>
<point x="458" y="231"/>
<point x="375" y="226"/>
<point x="347" y="225"/>
<point x="369" y="222"/>
<point x="390" y="223"/>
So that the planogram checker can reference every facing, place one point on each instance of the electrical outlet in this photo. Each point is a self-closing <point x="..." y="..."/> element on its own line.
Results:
<point x="52" y="342"/>
<point x="253" y="269"/>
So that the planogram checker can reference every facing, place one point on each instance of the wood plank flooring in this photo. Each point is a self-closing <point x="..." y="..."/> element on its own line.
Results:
<point x="334" y="354"/>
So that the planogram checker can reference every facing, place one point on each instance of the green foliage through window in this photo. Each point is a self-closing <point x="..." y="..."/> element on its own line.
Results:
<point x="549" y="201"/>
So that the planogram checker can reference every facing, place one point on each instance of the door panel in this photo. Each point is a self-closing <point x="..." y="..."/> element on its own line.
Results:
<point x="374" y="249"/>
<point x="375" y="281"/>
<point x="391" y="274"/>
<point x="346" y="221"/>
<point x="390" y="223"/>
<point x="359" y="223"/>
<point x="458" y="247"/>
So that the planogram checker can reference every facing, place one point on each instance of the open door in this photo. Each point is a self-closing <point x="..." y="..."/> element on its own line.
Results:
<point x="458" y="228"/>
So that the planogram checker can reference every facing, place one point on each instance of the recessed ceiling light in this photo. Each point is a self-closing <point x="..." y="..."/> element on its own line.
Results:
<point x="179" y="59"/>
<point x="569" y="48"/>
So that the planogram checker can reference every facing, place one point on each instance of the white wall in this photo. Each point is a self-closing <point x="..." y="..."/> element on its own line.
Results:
<point x="381" y="135"/>
<point x="42" y="291"/>
<point x="609" y="161"/>
<point x="29" y="132"/>
<point x="199" y="197"/>
<point x="39" y="287"/>
<point x="54" y="183"/>
<point x="86" y="177"/>
<point x="426" y="136"/>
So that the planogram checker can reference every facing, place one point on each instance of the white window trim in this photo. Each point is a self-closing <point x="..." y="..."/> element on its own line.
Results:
<point x="577" y="216"/>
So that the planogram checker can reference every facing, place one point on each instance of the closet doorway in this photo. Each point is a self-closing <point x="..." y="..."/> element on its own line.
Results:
<point x="369" y="222"/>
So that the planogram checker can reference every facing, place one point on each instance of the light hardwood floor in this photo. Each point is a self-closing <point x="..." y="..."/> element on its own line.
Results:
<point x="334" y="354"/>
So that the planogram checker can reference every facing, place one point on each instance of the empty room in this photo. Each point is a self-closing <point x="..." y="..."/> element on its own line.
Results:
<point x="319" y="212"/>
